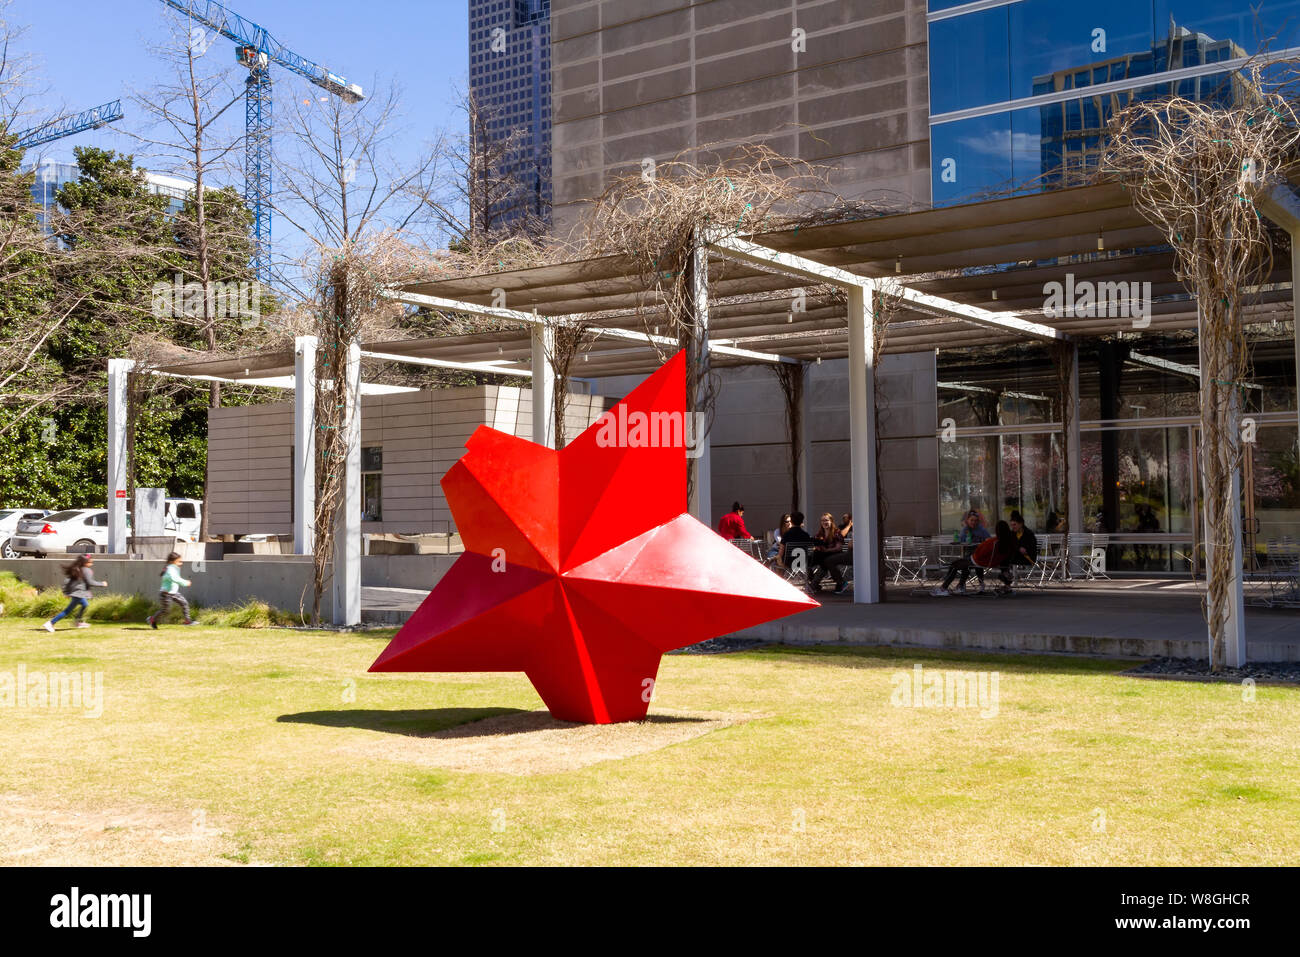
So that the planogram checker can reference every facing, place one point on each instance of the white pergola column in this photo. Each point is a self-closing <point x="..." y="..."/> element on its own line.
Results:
<point x="1074" y="447"/>
<point x="701" y="504"/>
<point x="1234" y="629"/>
<point x="862" y="445"/>
<point x="347" y="542"/>
<point x="304" y="444"/>
<point x="118" y="372"/>
<point x="543" y="337"/>
<point x="806" y="412"/>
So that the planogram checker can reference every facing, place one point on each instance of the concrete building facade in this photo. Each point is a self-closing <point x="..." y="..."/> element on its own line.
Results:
<point x="408" y="441"/>
<point x="840" y="85"/>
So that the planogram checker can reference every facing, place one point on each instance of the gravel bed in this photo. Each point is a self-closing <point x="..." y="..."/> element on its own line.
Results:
<point x="1195" y="668"/>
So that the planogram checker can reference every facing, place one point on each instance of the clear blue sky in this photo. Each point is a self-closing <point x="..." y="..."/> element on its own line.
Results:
<point x="93" y="51"/>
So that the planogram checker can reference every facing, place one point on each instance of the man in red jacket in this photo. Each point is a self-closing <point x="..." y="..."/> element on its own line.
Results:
<point x="732" y="525"/>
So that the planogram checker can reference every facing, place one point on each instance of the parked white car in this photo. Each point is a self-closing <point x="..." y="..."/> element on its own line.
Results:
<point x="76" y="530"/>
<point x="9" y="519"/>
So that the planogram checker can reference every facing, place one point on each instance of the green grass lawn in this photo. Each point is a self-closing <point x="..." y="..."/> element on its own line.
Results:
<point x="1078" y="766"/>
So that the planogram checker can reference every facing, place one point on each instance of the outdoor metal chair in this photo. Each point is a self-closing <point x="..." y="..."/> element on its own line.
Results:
<point x="750" y="546"/>
<point x="1051" y="558"/>
<point x="1281" y="574"/>
<point x="1088" y="556"/>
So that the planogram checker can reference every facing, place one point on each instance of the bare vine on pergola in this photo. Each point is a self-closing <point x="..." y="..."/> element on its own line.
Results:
<point x="567" y="339"/>
<point x="657" y="216"/>
<point x="1195" y="170"/>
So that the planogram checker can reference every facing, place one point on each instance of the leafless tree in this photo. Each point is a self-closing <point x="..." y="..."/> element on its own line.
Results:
<point x="1195" y="169"/>
<point x="486" y="185"/>
<point x="193" y="133"/>
<point x="367" y="224"/>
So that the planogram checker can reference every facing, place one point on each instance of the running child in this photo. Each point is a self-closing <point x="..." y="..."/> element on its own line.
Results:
<point x="80" y="580"/>
<point x="169" y="591"/>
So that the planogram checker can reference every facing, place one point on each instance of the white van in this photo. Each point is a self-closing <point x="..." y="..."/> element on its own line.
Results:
<point x="183" y="518"/>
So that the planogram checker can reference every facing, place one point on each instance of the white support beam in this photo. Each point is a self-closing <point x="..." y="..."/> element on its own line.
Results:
<point x="543" y="386"/>
<point x="119" y="371"/>
<point x="768" y="259"/>
<point x="806" y="413"/>
<point x="1074" y="447"/>
<point x="304" y="444"/>
<point x="862" y="446"/>
<point x="1005" y="321"/>
<point x="496" y="366"/>
<point x="347" y="541"/>
<point x="533" y="319"/>
<point x="701" y="504"/>
<point x="1282" y="206"/>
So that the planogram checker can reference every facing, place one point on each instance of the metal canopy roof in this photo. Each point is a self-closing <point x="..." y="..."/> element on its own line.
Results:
<point x="996" y="255"/>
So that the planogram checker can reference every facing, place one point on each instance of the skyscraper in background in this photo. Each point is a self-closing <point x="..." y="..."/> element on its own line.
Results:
<point x="510" y="84"/>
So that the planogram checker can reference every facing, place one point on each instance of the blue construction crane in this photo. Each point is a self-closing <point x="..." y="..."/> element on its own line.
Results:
<point x="256" y="49"/>
<point x="56" y="129"/>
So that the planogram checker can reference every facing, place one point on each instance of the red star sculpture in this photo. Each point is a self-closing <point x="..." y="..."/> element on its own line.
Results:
<point x="581" y="567"/>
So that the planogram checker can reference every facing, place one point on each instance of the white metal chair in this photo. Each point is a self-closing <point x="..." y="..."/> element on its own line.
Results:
<point x="750" y="546"/>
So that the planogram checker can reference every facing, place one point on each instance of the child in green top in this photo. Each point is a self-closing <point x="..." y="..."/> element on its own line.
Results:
<point x="169" y="591"/>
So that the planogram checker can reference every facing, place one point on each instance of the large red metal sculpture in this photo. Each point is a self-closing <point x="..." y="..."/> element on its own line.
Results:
<point x="581" y="567"/>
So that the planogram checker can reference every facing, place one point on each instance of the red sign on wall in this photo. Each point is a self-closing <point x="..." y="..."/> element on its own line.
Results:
<point x="120" y="493"/>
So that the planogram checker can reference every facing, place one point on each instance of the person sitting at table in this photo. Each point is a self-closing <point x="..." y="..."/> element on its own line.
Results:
<point x="1025" y="551"/>
<point x="846" y="527"/>
<point x="785" y="526"/>
<point x="969" y="536"/>
<point x="829" y="557"/>
<point x="732" y="525"/>
<point x="971" y="532"/>
<point x="992" y="552"/>
<point x="795" y="540"/>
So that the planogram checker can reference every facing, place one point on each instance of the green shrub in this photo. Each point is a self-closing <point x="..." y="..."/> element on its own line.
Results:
<point x="251" y="614"/>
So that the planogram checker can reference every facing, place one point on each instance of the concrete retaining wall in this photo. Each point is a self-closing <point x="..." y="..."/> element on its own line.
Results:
<point x="283" y="584"/>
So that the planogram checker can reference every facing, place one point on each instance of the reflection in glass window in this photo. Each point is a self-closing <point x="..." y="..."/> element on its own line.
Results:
<point x="1248" y="26"/>
<point x="969" y="61"/>
<point x="1050" y="41"/>
<point x="971" y="157"/>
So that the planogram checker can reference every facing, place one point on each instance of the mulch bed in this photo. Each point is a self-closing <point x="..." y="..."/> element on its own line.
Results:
<point x="1195" y="669"/>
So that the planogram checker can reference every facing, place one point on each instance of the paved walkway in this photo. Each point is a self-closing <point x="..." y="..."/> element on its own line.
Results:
<point x="1120" y="618"/>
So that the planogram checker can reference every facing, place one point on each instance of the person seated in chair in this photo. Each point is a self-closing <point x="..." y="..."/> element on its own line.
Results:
<point x="829" y="556"/>
<point x="1026" y="548"/>
<point x="795" y="540"/>
<point x="785" y="526"/>
<point x="990" y="553"/>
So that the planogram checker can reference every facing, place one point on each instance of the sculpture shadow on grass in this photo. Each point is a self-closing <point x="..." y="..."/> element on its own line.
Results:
<point x="447" y="722"/>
